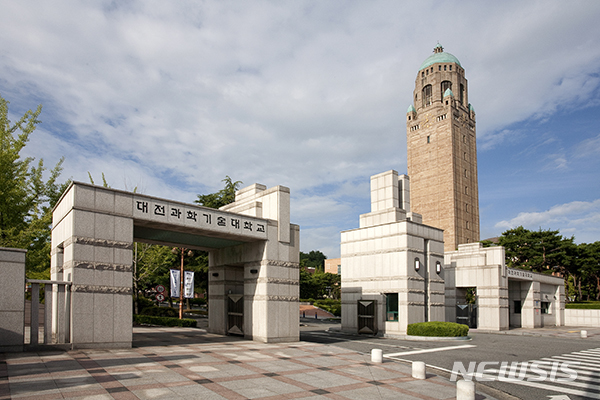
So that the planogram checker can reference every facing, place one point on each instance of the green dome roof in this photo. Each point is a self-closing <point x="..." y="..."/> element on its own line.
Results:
<point x="448" y="92"/>
<point x="439" y="56"/>
<point x="411" y="108"/>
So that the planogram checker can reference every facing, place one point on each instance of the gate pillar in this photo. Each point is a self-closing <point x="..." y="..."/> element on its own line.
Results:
<point x="266" y="273"/>
<point x="92" y="241"/>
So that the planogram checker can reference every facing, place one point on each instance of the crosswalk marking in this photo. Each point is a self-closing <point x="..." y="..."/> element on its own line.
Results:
<point x="585" y="363"/>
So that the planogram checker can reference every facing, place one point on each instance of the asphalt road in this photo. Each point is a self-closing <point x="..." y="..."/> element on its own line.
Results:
<point x="487" y="347"/>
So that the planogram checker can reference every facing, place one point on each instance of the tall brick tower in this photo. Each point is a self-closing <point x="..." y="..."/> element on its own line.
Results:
<point x="442" y="151"/>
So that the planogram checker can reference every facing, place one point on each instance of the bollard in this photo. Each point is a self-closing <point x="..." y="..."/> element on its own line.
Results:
<point x="465" y="390"/>
<point x="418" y="370"/>
<point x="377" y="355"/>
<point x="583" y="334"/>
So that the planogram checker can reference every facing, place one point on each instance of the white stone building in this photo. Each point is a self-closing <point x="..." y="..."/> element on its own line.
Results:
<point x="395" y="272"/>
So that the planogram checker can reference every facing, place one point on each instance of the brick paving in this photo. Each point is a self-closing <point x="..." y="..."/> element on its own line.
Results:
<point x="177" y="363"/>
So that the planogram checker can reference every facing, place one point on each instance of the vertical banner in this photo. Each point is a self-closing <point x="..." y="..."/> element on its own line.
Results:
<point x="175" y="282"/>
<point x="188" y="289"/>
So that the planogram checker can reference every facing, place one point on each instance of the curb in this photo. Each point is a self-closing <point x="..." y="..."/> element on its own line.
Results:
<point x="429" y="338"/>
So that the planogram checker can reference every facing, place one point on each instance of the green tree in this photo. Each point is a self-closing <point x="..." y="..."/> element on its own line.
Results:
<point x="589" y="271"/>
<point x="319" y="285"/>
<point x="26" y="200"/>
<point x="538" y="251"/>
<point x="222" y="197"/>
<point x="315" y="259"/>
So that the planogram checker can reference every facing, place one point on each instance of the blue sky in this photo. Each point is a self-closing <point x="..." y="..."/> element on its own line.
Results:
<point x="171" y="97"/>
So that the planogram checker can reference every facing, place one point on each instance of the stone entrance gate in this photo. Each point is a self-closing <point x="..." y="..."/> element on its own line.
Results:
<point x="253" y="252"/>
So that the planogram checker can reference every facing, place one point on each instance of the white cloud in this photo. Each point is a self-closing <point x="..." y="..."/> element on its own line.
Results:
<point x="588" y="148"/>
<point x="580" y="218"/>
<point x="303" y="94"/>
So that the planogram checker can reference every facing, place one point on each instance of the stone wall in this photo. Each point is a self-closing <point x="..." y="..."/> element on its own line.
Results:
<point x="583" y="318"/>
<point x="12" y="299"/>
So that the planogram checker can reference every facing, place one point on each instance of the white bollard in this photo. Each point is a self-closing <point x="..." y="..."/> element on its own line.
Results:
<point x="583" y="334"/>
<point x="377" y="355"/>
<point x="465" y="390"/>
<point x="418" y="370"/>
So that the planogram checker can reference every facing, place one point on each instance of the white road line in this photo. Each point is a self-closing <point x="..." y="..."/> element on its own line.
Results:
<point x="559" y="378"/>
<point x="560" y="389"/>
<point x="581" y="360"/>
<point x="407" y="353"/>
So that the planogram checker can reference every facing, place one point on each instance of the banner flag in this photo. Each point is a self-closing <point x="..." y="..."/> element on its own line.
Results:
<point x="188" y="291"/>
<point x="175" y="282"/>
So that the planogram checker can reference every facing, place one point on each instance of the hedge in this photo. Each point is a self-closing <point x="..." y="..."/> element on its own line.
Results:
<point x="437" y="328"/>
<point x="164" y="321"/>
<point x="592" y="305"/>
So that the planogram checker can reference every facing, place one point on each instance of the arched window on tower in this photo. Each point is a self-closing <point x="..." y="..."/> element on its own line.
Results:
<point x="427" y="92"/>
<point x="446" y="85"/>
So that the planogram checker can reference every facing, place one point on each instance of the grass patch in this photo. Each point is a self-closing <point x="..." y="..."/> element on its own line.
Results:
<point x="164" y="321"/>
<point x="584" y="305"/>
<point x="437" y="328"/>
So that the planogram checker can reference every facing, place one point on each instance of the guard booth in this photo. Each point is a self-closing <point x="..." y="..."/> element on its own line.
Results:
<point x="253" y="259"/>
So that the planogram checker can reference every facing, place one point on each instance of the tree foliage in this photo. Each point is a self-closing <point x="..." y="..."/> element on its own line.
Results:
<point x="222" y="197"/>
<point x="536" y="250"/>
<point x="26" y="198"/>
<point x="314" y="259"/>
<point x="547" y="251"/>
<point x="319" y="285"/>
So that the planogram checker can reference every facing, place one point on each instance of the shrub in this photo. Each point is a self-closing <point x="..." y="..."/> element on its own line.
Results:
<point x="159" y="311"/>
<point x="437" y="328"/>
<point x="200" y="301"/>
<point x="164" y="321"/>
<point x="143" y="302"/>
<point x="330" y="305"/>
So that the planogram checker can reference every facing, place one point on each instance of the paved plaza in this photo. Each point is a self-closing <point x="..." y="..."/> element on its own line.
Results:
<point x="175" y="363"/>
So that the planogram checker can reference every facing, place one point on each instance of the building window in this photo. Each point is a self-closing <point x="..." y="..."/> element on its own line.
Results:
<point x="466" y="190"/>
<point x="444" y="67"/>
<point x="465" y="155"/>
<point x="427" y="72"/>
<point x="466" y="176"/>
<point x="422" y="74"/>
<point x="444" y="86"/>
<point x="546" y="307"/>
<point x="428" y="139"/>
<point x="339" y="269"/>
<point x="517" y="306"/>
<point x="439" y="68"/>
<point x="462" y="94"/>
<point x="450" y="67"/>
<point x="466" y="207"/>
<point x="391" y="306"/>
<point x="467" y="224"/>
<point x="464" y="138"/>
<point x="427" y="91"/>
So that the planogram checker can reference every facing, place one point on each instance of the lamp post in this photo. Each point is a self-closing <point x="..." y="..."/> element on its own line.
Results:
<point x="181" y="277"/>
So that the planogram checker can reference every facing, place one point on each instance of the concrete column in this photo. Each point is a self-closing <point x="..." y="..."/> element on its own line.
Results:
<point x="530" y="314"/>
<point x="93" y="230"/>
<point x="12" y="299"/>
